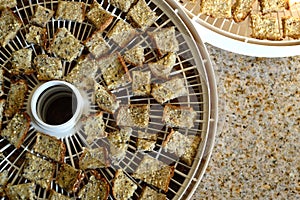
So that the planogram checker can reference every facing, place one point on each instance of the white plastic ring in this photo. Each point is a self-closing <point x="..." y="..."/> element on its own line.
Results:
<point x="43" y="107"/>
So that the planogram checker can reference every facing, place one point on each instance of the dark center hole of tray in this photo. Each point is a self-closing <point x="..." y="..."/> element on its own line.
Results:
<point x="57" y="105"/>
<point x="60" y="110"/>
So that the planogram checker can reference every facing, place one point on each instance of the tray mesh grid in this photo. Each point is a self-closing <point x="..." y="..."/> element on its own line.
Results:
<point x="189" y="65"/>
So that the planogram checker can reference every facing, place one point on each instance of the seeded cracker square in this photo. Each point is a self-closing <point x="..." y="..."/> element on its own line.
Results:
<point x="165" y="40"/>
<point x="182" y="146"/>
<point x="99" y="17"/>
<point x="122" y="5"/>
<point x="268" y="6"/>
<point x="15" y="97"/>
<point x="169" y="90"/>
<point x="7" y="4"/>
<point x="65" y="45"/>
<point x="141" y="16"/>
<point x="24" y="191"/>
<point x="96" y="188"/>
<point x="68" y="10"/>
<point x="114" y="71"/>
<point x="118" y="143"/>
<point x="94" y="127"/>
<point x="291" y="27"/>
<point x="41" y="16"/>
<point x="50" y="147"/>
<point x="94" y="158"/>
<point x="265" y="27"/>
<point x="48" y="68"/>
<point x="38" y="170"/>
<point x="83" y="74"/>
<point x="97" y="45"/>
<point x="122" y="33"/>
<point x="21" y="62"/>
<point x="176" y="143"/>
<point x="179" y="116"/>
<point x="69" y="178"/>
<point x="150" y="194"/>
<point x="141" y="83"/>
<point x="36" y="35"/>
<point x="190" y="153"/>
<point x="241" y="9"/>
<point x="146" y="141"/>
<point x="57" y="196"/>
<point x="3" y="182"/>
<point x="135" y="56"/>
<point x="216" y="8"/>
<point x="17" y="128"/>
<point x="10" y="25"/>
<point x="123" y="187"/>
<point x="154" y="172"/>
<point x="163" y="67"/>
<point x="106" y="100"/>
<point x="134" y="116"/>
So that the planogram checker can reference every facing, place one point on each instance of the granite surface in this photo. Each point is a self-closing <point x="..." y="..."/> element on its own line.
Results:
<point x="257" y="146"/>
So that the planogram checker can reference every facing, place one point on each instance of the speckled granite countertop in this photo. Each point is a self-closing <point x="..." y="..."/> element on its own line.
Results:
<point x="257" y="147"/>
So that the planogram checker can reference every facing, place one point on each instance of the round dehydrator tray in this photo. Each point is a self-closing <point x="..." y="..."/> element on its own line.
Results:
<point x="192" y="64"/>
<point x="236" y="37"/>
